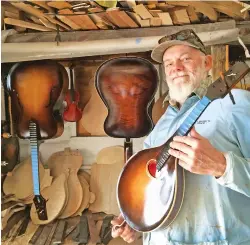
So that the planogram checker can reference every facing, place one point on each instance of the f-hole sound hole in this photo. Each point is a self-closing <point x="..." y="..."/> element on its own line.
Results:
<point x="152" y="168"/>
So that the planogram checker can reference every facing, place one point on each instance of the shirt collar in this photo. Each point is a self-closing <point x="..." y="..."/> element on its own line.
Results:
<point x="200" y="92"/>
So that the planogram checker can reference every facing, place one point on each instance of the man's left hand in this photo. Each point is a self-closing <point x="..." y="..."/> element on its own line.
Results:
<point x="197" y="155"/>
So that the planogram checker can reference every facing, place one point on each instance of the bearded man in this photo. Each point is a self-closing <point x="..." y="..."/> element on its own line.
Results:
<point x="215" y="155"/>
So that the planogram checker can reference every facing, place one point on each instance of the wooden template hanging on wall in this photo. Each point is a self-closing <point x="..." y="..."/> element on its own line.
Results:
<point x="94" y="113"/>
<point x="84" y="83"/>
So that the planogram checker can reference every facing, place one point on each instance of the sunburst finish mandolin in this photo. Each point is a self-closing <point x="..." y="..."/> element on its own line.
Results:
<point x="35" y="88"/>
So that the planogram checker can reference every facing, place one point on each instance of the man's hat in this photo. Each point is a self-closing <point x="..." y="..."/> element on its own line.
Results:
<point x="184" y="37"/>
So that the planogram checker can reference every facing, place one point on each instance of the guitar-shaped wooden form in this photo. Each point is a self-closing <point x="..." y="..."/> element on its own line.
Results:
<point x="72" y="112"/>
<point x="150" y="196"/>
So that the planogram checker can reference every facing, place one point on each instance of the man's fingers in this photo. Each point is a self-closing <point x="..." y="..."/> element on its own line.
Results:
<point x="130" y="239"/>
<point x="182" y="147"/>
<point x="127" y="233"/>
<point x="117" y="220"/>
<point x="184" y="165"/>
<point x="119" y="230"/>
<point x="180" y="155"/>
<point x="116" y="232"/>
<point x="193" y="133"/>
<point x="193" y="142"/>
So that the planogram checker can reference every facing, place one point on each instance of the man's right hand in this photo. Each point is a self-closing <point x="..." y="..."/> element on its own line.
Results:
<point x="125" y="231"/>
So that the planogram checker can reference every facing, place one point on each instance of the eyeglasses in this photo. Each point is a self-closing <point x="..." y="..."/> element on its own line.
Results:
<point x="187" y="35"/>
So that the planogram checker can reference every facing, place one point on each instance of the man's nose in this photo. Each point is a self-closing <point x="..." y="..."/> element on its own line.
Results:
<point x="178" y="66"/>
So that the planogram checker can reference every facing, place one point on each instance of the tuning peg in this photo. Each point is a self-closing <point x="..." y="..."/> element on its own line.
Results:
<point x="230" y="94"/>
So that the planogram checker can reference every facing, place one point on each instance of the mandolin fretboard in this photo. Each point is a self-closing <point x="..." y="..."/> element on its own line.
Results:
<point x="183" y="129"/>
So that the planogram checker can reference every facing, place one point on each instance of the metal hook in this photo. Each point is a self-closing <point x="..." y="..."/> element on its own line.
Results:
<point x="58" y="36"/>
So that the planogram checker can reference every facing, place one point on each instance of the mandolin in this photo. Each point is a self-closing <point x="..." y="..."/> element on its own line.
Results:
<point x="35" y="88"/>
<point x="127" y="86"/>
<point x="150" y="196"/>
<point x="72" y="112"/>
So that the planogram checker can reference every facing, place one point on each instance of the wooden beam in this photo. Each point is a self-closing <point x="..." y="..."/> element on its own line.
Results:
<point x="115" y="34"/>
<point x="14" y="52"/>
<point x="218" y="53"/>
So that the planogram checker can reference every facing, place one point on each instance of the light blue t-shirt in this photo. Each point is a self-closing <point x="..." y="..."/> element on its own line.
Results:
<point x="214" y="211"/>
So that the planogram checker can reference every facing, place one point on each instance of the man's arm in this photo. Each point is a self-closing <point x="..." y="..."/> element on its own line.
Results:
<point x="237" y="173"/>
<point x="231" y="169"/>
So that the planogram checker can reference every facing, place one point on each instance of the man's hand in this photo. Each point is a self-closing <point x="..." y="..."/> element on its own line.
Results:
<point x="197" y="155"/>
<point x="125" y="231"/>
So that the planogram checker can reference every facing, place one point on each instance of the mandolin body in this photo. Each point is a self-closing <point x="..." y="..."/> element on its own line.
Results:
<point x="148" y="202"/>
<point x="127" y="86"/>
<point x="35" y="89"/>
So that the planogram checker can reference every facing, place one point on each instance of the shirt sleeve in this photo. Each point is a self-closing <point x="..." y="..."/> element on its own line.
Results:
<point x="147" y="142"/>
<point x="237" y="173"/>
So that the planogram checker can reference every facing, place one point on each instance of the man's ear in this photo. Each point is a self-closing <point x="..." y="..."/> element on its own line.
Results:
<point x="208" y="62"/>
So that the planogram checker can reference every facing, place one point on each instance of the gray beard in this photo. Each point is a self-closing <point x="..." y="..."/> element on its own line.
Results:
<point x="180" y="94"/>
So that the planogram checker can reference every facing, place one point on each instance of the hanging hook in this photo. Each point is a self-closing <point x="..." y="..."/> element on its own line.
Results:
<point x="58" y="36"/>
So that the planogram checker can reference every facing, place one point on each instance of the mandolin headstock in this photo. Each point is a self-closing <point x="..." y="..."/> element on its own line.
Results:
<point x="221" y="87"/>
<point x="40" y="204"/>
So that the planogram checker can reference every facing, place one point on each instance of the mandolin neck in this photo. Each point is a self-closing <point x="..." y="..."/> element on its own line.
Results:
<point x="183" y="130"/>
<point x="39" y="201"/>
<point x="193" y="117"/>
<point x="34" y="157"/>
<point x="128" y="149"/>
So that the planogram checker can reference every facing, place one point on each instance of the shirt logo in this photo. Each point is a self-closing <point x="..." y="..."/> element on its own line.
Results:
<point x="203" y="122"/>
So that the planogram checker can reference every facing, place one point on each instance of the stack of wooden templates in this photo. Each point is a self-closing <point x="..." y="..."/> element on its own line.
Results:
<point x="19" y="181"/>
<point x="69" y="192"/>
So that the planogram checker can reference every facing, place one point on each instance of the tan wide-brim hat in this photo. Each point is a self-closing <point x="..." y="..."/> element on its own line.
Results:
<point x="184" y="37"/>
